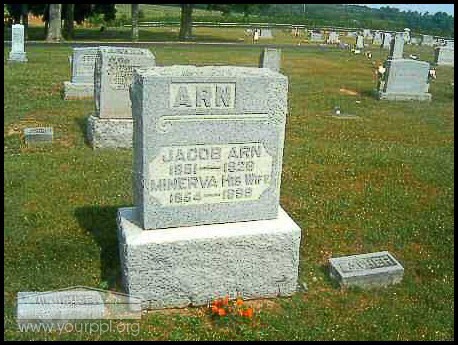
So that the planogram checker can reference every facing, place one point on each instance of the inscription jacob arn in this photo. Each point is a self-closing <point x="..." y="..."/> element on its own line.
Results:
<point x="202" y="174"/>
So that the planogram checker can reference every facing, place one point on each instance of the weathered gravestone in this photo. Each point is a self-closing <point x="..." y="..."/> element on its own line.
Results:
<point x="316" y="37"/>
<point x="444" y="56"/>
<point x="38" y="135"/>
<point x="111" y="125"/>
<point x="377" y="38"/>
<point x="360" y="42"/>
<point x="333" y="38"/>
<point x="397" y="46"/>
<point x="427" y="40"/>
<point x="206" y="220"/>
<point x="265" y="33"/>
<point x="367" y="33"/>
<point x="271" y="58"/>
<point x="387" y="38"/>
<point x="450" y="44"/>
<point x="81" y="85"/>
<point x="366" y="270"/>
<point x="17" y="53"/>
<point x="404" y="79"/>
<point x="415" y="40"/>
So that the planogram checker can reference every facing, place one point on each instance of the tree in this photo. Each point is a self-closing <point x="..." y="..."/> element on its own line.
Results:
<point x="55" y="23"/>
<point x="186" y="22"/>
<point x="69" y="17"/>
<point x="135" y="12"/>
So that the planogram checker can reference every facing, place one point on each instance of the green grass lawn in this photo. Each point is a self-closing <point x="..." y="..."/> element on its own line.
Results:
<point x="381" y="181"/>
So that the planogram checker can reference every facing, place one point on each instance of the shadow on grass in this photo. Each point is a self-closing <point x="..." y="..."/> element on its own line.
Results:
<point x="325" y="269"/>
<point x="100" y="222"/>
<point x="82" y="124"/>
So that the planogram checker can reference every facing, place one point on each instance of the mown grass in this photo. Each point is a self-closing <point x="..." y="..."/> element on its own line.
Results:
<point x="381" y="181"/>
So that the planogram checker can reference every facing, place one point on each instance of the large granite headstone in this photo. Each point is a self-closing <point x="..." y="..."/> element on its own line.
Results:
<point x="444" y="56"/>
<point x="81" y="85"/>
<point x="405" y="79"/>
<point x="271" y="58"/>
<point x="111" y="125"/>
<point x="206" y="221"/>
<point x="17" y="53"/>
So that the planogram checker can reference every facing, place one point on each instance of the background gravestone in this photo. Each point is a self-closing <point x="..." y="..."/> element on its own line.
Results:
<point x="444" y="56"/>
<point x="333" y="38"/>
<point x="387" y="38"/>
<point x="271" y="58"/>
<point x="316" y="37"/>
<point x="427" y="40"/>
<point x="265" y="33"/>
<point x="111" y="125"/>
<point x="206" y="221"/>
<point x="359" y="42"/>
<point x="17" y="53"/>
<point x="397" y="46"/>
<point x="377" y="38"/>
<point x="81" y="85"/>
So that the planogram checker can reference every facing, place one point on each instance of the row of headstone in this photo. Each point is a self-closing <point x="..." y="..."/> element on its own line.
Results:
<point x="333" y="38"/>
<point x="105" y="73"/>
<point x="316" y="37"/>
<point x="404" y="79"/>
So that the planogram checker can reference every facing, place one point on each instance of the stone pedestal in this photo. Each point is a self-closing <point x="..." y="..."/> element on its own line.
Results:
<point x="109" y="133"/>
<point x="78" y="90"/>
<point x="182" y="266"/>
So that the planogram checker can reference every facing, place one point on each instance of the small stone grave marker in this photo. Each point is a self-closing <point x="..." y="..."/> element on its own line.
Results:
<point x="366" y="270"/>
<point x="38" y="135"/>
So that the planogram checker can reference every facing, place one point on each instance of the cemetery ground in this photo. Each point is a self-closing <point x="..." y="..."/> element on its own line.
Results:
<point x="381" y="180"/>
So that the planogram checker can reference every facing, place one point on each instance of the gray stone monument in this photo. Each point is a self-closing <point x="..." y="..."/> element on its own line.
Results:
<point x="397" y="46"/>
<point x="360" y="42"/>
<point x="366" y="270"/>
<point x="81" y="85"/>
<point x="405" y="79"/>
<point x="427" y="40"/>
<point x="206" y="221"/>
<point x="111" y="125"/>
<point x="414" y="40"/>
<point x="387" y="38"/>
<point x="367" y="33"/>
<point x="377" y="38"/>
<point x="265" y="33"/>
<point x="271" y="58"/>
<point x="333" y="38"/>
<point x="444" y="56"/>
<point x="17" y="53"/>
<point x="316" y="37"/>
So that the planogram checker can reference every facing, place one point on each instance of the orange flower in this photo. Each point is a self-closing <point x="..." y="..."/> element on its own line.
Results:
<point x="226" y="300"/>
<point x="217" y="303"/>
<point x="239" y="301"/>
<point x="221" y="312"/>
<point x="215" y="309"/>
<point x="248" y="312"/>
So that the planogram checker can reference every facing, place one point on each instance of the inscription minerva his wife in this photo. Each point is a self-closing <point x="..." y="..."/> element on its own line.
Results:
<point x="202" y="174"/>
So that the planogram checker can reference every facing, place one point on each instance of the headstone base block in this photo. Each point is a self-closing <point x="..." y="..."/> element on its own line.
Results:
<point x="178" y="267"/>
<point x="17" y="57"/>
<point x="78" y="90"/>
<point x="109" y="133"/>
<point x="404" y="96"/>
